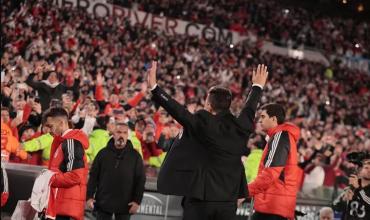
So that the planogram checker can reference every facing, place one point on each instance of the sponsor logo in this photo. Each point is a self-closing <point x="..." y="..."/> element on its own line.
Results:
<point x="151" y="205"/>
<point x="311" y="212"/>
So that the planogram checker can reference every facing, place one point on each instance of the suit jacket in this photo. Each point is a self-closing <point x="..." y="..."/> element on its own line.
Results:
<point x="204" y="162"/>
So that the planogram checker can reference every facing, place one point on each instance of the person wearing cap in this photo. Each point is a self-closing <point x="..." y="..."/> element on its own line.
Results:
<point x="117" y="178"/>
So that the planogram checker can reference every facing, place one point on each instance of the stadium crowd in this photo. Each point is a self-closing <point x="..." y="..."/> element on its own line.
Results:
<point x="270" y="20"/>
<point x="95" y="68"/>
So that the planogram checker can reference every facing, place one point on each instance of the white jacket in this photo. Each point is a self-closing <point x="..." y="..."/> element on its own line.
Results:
<point x="41" y="189"/>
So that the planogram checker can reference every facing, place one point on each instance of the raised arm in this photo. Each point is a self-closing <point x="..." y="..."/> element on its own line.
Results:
<point x="32" y="83"/>
<point x="246" y="117"/>
<point x="175" y="109"/>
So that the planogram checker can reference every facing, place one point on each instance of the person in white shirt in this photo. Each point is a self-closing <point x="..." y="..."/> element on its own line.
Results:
<point x="315" y="178"/>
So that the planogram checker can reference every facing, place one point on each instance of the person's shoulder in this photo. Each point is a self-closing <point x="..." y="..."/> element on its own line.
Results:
<point x="68" y="142"/>
<point x="203" y="113"/>
<point x="134" y="152"/>
<point x="131" y="150"/>
<point x="103" y="152"/>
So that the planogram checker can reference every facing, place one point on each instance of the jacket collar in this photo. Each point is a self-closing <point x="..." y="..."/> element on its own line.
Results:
<point x="223" y="113"/>
<point x="289" y="127"/>
<point x="111" y="145"/>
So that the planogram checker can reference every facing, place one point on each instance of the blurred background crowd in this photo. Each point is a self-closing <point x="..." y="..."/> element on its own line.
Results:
<point x="270" y="20"/>
<point x="95" y="68"/>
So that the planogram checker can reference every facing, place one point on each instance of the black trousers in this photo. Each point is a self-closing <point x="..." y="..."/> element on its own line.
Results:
<point x="195" y="209"/>
<point x="264" y="216"/>
<point x="109" y="216"/>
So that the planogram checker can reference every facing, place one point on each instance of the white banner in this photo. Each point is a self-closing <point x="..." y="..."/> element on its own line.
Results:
<point x="356" y="63"/>
<point x="171" y="26"/>
<point x="297" y="54"/>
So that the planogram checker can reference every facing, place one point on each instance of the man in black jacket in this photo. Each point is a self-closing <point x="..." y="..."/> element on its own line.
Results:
<point x="117" y="178"/>
<point x="51" y="88"/>
<point x="204" y="162"/>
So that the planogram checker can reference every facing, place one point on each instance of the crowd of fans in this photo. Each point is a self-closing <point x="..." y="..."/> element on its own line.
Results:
<point x="270" y="20"/>
<point x="95" y="68"/>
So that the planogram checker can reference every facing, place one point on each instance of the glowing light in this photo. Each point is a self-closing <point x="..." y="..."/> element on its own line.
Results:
<point x="360" y="8"/>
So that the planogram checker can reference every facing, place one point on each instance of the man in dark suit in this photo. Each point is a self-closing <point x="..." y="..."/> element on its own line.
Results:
<point x="204" y="162"/>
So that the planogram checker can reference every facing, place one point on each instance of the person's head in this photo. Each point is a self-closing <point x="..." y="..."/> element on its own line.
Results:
<point x="140" y="123"/>
<point x="218" y="99"/>
<point x="52" y="77"/>
<point x="326" y="213"/>
<point x="319" y="160"/>
<point x="114" y="99"/>
<point x="271" y="116"/>
<point x="56" y="119"/>
<point x="119" y="114"/>
<point x="120" y="135"/>
<point x="26" y="132"/>
<point x="45" y="129"/>
<point x="67" y="98"/>
<point x="163" y="116"/>
<point x="92" y="109"/>
<point x="19" y="102"/>
<point x="5" y="115"/>
<point x="365" y="170"/>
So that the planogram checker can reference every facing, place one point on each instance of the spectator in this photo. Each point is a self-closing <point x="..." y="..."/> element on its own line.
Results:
<point x="321" y="102"/>
<point x="251" y="163"/>
<point x="98" y="139"/>
<point x="10" y="144"/>
<point x="4" y="184"/>
<point x="287" y="26"/>
<point x="152" y="154"/>
<point x="326" y="213"/>
<point x="50" y="87"/>
<point x="315" y="177"/>
<point x="41" y="143"/>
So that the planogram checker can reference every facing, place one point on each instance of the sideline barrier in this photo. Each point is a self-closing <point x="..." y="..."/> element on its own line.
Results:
<point x="155" y="206"/>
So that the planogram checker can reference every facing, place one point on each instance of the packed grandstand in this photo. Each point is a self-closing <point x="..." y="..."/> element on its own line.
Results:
<point x="95" y="67"/>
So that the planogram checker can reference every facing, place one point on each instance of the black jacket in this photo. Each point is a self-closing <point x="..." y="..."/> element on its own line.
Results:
<point x="204" y="161"/>
<point x="356" y="209"/>
<point x="117" y="178"/>
<point x="47" y="93"/>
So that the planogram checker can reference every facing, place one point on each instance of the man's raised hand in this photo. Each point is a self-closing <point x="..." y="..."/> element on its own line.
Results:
<point x="260" y="75"/>
<point x="152" y="78"/>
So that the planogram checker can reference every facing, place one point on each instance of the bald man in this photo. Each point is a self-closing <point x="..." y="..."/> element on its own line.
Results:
<point x="326" y="213"/>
